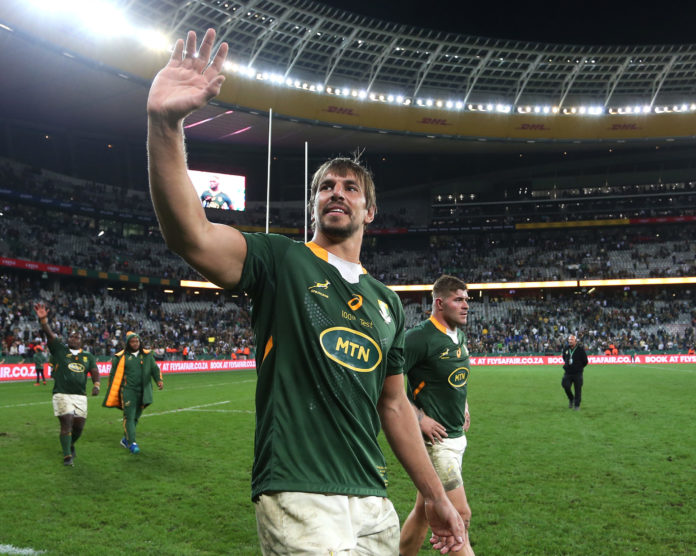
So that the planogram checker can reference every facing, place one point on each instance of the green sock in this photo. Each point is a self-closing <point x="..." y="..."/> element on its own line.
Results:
<point x="65" y="440"/>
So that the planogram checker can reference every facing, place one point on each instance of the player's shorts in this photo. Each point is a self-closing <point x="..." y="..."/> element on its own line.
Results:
<point x="70" y="404"/>
<point x="306" y="523"/>
<point x="447" y="460"/>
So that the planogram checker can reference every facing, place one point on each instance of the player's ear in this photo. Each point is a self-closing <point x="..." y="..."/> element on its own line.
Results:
<point x="370" y="216"/>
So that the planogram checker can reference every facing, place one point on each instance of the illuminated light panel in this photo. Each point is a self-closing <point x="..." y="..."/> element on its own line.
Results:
<point x="189" y="126"/>
<point x="640" y="281"/>
<point x="522" y="285"/>
<point x="198" y="284"/>
<point x="412" y="288"/>
<point x="247" y="128"/>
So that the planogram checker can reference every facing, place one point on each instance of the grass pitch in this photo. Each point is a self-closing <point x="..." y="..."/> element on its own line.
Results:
<point x="615" y="478"/>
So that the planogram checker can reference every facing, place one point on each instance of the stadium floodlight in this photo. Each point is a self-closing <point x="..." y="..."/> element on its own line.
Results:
<point x="155" y="40"/>
<point x="537" y="109"/>
<point x="319" y="87"/>
<point x="362" y="94"/>
<point x="429" y="102"/>
<point x="390" y="98"/>
<point x="438" y="103"/>
<point x="459" y="105"/>
<point x="449" y="104"/>
<point x="99" y="17"/>
<point x="504" y="108"/>
<point x="399" y="99"/>
<point x="546" y="109"/>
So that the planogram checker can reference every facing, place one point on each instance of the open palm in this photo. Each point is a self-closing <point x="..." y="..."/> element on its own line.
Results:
<point x="188" y="81"/>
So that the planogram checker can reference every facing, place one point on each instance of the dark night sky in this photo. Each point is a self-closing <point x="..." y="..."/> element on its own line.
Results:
<point x="590" y="22"/>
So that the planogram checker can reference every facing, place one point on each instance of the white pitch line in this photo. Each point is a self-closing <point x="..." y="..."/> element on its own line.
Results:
<point x="223" y="411"/>
<point x="9" y="549"/>
<point x="216" y="385"/>
<point x="184" y="409"/>
<point x="23" y="405"/>
<point x="677" y="369"/>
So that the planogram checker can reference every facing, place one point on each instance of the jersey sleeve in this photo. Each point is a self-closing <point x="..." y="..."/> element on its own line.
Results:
<point x="55" y="346"/>
<point x="414" y="349"/>
<point x="258" y="274"/>
<point x="395" y="356"/>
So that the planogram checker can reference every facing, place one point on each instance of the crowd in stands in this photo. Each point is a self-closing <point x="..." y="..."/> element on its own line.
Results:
<point x="31" y="233"/>
<point x="219" y="328"/>
<point x="175" y="326"/>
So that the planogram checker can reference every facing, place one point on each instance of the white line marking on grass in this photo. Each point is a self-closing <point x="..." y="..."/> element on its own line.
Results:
<point x="184" y="409"/>
<point x="223" y="411"/>
<point x="9" y="549"/>
<point x="684" y="370"/>
<point x="22" y="405"/>
<point x="216" y="385"/>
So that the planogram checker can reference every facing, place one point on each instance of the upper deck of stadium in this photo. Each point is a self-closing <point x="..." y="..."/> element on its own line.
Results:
<point x="313" y="63"/>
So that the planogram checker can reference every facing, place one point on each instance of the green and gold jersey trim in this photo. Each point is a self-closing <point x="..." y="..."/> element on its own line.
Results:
<point x="437" y="324"/>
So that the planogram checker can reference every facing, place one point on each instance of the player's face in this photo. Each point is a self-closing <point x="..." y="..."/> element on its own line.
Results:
<point x="455" y="308"/>
<point x="214" y="184"/>
<point x="340" y="206"/>
<point x="134" y="343"/>
<point x="74" y="341"/>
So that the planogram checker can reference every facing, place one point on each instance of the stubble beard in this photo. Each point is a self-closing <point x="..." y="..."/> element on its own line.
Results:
<point x="335" y="231"/>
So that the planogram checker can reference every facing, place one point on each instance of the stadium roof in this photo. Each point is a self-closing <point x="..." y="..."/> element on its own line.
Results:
<point x="45" y="85"/>
<point x="315" y="41"/>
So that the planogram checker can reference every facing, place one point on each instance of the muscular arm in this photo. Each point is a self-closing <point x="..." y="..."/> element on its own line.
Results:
<point x="402" y="432"/>
<point x="94" y="372"/>
<point x="42" y="314"/>
<point x="184" y="85"/>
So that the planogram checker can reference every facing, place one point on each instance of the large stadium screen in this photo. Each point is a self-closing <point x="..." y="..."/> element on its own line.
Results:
<point x="220" y="191"/>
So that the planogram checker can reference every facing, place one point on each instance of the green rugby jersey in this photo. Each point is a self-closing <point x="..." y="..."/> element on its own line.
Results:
<point x="438" y="372"/>
<point x="69" y="371"/>
<point x="215" y="200"/>
<point x="325" y="347"/>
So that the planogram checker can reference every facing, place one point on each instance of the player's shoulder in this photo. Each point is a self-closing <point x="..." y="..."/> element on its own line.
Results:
<point x="422" y="329"/>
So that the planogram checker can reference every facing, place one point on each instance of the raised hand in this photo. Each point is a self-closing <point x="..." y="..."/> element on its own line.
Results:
<point x="40" y="310"/>
<point x="189" y="80"/>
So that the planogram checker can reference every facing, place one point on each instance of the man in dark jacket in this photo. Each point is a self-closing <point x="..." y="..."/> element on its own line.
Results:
<point x="574" y="362"/>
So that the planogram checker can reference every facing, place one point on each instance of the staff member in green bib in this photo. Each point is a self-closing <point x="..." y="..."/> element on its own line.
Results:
<point x="330" y="341"/>
<point x="70" y="367"/>
<point x="130" y="386"/>
<point x="437" y="366"/>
